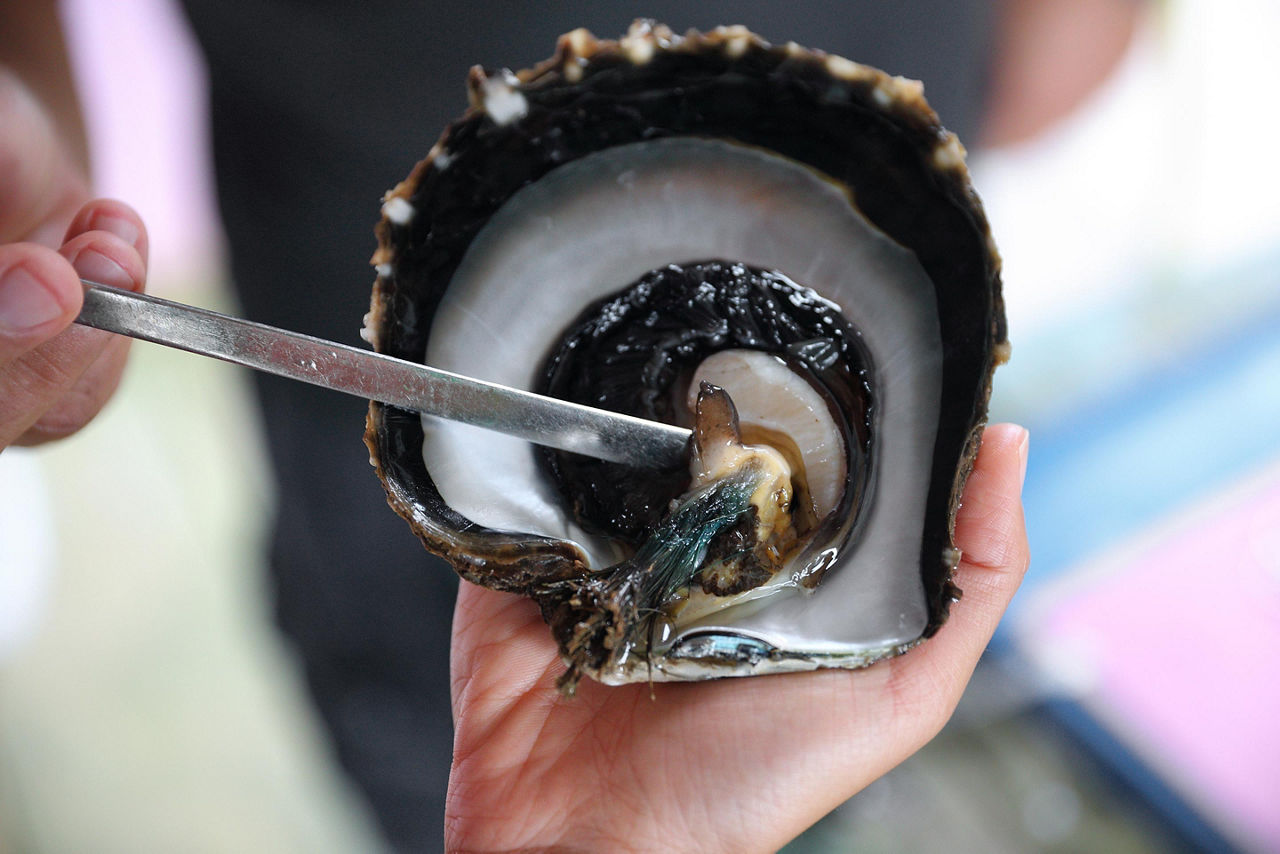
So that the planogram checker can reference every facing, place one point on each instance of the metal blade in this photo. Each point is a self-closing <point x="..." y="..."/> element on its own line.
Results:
<point x="533" y="417"/>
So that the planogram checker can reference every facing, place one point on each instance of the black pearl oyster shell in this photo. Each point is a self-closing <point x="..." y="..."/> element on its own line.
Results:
<point x="566" y="185"/>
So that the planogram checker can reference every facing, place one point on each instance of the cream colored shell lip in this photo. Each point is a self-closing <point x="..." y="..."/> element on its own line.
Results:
<point x="431" y="219"/>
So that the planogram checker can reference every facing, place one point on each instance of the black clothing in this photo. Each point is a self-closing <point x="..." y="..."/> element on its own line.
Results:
<point x="318" y="107"/>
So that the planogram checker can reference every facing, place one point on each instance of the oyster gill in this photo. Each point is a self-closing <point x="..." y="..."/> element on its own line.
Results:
<point x="566" y="185"/>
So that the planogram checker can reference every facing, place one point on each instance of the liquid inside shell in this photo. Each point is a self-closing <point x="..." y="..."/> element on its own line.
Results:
<point x="606" y="226"/>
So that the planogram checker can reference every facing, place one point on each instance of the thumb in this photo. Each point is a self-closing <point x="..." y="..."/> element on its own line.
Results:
<point x="991" y="534"/>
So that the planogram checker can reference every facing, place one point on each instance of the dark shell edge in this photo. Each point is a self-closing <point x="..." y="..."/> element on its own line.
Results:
<point x="472" y="549"/>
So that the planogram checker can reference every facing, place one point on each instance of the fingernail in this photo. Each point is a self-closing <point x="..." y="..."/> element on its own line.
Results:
<point x="121" y="228"/>
<point x="24" y="302"/>
<point x="96" y="267"/>
<point x="1024" y="448"/>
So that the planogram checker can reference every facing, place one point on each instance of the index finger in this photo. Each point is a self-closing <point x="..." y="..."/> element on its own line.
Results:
<point x="40" y="188"/>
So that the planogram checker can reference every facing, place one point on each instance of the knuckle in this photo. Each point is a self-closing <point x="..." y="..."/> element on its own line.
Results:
<point x="36" y="375"/>
<point x="28" y="389"/>
<point x="72" y="411"/>
<point x="50" y="428"/>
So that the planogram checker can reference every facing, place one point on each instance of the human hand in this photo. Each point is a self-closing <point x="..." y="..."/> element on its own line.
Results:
<point x="734" y="765"/>
<point x="54" y="377"/>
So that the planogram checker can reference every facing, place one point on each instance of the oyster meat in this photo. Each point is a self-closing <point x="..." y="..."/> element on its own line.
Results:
<point x="777" y="247"/>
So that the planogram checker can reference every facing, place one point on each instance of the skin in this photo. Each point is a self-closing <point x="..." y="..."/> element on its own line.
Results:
<point x="1050" y="57"/>
<point x="54" y="377"/>
<point x="736" y="765"/>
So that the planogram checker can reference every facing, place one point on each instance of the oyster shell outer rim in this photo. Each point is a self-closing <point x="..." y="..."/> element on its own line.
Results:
<point x="900" y="99"/>
<point x="579" y="49"/>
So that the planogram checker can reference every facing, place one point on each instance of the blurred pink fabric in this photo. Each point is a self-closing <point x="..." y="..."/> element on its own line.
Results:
<point x="143" y="93"/>
<point x="1183" y="637"/>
